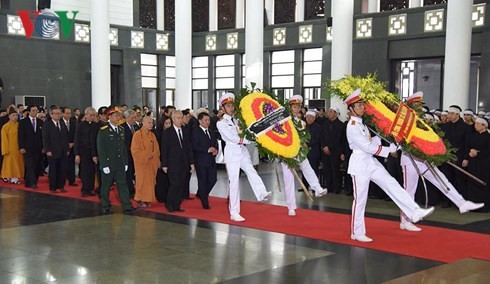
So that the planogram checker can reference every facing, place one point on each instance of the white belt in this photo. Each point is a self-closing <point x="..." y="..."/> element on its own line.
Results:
<point x="359" y="151"/>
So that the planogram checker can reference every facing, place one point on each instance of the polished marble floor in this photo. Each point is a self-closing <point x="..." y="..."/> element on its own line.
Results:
<point x="52" y="239"/>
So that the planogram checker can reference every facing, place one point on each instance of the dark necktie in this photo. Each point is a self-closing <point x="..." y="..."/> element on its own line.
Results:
<point x="207" y="134"/>
<point x="58" y="126"/>
<point x="132" y="129"/>
<point x="181" y="139"/>
<point x="34" y="124"/>
<point x="117" y="130"/>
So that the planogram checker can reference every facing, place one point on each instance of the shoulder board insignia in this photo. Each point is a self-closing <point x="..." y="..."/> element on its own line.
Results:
<point x="104" y="127"/>
<point x="353" y="122"/>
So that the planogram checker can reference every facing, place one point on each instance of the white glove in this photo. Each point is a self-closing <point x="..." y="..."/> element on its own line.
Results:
<point x="106" y="170"/>
<point x="393" y="148"/>
<point x="126" y="168"/>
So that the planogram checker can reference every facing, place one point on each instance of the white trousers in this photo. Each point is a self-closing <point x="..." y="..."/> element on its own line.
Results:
<point x="233" y="170"/>
<point x="388" y="184"/>
<point x="288" y="177"/>
<point x="411" y="179"/>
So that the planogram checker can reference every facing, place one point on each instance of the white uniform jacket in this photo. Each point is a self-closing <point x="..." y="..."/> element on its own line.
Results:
<point x="234" y="149"/>
<point x="363" y="148"/>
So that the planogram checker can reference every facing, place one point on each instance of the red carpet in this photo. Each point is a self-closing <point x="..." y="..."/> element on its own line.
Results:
<point x="433" y="243"/>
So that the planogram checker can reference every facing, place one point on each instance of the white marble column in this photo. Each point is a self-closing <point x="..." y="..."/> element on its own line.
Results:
<point x="373" y="6"/>
<point x="183" y="54"/>
<point x="343" y="18"/>
<point x="254" y="43"/>
<point x="300" y="10"/>
<point x="269" y="10"/>
<point x="415" y="3"/>
<point x="239" y="24"/>
<point x="160" y="15"/>
<point x="100" y="53"/>
<point x="213" y="15"/>
<point x="458" y="53"/>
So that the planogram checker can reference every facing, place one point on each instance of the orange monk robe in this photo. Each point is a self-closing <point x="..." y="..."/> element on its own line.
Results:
<point x="13" y="162"/>
<point x="146" y="156"/>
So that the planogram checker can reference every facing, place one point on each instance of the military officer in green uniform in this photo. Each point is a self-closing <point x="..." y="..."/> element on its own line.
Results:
<point x="113" y="161"/>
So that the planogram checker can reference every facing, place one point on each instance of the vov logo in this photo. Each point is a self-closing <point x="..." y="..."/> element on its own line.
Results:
<point x="47" y="23"/>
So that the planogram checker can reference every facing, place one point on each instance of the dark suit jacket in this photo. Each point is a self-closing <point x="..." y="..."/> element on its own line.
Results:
<point x="333" y="136"/>
<point x="174" y="157"/>
<point x="314" y="144"/>
<point x="128" y="137"/>
<point x="29" y="140"/>
<point x="86" y="139"/>
<point x="201" y="144"/>
<point x="71" y="131"/>
<point x="55" y="140"/>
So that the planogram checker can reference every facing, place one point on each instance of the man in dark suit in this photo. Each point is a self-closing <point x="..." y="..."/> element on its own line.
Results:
<point x="333" y="140"/>
<point x="314" y="154"/>
<point x="129" y="129"/>
<point x="85" y="149"/>
<point x="55" y="142"/>
<point x="205" y="148"/>
<point x="70" y="124"/>
<point x="177" y="160"/>
<point x="31" y="145"/>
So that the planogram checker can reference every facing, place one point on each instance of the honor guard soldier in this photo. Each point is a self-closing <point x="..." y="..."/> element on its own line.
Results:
<point x="308" y="173"/>
<point x="364" y="168"/>
<point x="113" y="161"/>
<point x="237" y="157"/>
<point x="412" y="167"/>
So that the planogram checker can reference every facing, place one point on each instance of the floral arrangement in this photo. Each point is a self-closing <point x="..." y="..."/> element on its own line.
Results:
<point x="395" y="121"/>
<point x="284" y="141"/>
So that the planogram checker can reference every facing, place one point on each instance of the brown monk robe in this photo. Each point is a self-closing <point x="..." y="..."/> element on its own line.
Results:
<point x="146" y="156"/>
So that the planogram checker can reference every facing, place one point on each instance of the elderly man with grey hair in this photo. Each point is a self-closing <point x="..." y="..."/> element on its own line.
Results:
<point x="129" y="129"/>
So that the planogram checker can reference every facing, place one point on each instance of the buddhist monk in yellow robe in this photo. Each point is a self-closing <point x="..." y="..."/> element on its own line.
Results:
<point x="13" y="162"/>
<point x="146" y="156"/>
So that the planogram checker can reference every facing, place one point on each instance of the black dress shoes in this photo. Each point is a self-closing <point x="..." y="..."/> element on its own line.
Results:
<point x="206" y="206"/>
<point x="107" y="212"/>
<point x="189" y="198"/>
<point x="73" y="184"/>
<point x="129" y="211"/>
<point x="62" y="189"/>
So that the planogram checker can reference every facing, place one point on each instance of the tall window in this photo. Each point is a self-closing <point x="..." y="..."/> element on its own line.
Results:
<point x="226" y="14"/>
<point x="314" y="9"/>
<point x="148" y="14"/>
<point x="284" y="11"/>
<point x="200" y="15"/>
<point x="170" y="79"/>
<point x="169" y="15"/>
<point x="224" y="74"/>
<point x="149" y="79"/>
<point x="389" y="5"/>
<point x="312" y="74"/>
<point x="200" y="82"/>
<point x="282" y="73"/>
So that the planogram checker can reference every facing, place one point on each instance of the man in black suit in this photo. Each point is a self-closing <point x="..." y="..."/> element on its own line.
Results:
<point x="85" y="149"/>
<point x="314" y="155"/>
<point x="177" y="160"/>
<point x="70" y="124"/>
<point x="55" y="142"/>
<point x="205" y="148"/>
<point x="31" y="145"/>
<point x="333" y="140"/>
<point x="129" y="128"/>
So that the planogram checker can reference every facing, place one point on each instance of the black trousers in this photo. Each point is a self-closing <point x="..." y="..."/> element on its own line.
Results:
<point x="70" y="167"/>
<point x="57" y="172"/>
<point x="177" y="183"/>
<point x="206" y="179"/>
<point x="87" y="172"/>
<point x="331" y="171"/>
<point x="130" y="177"/>
<point x="32" y="161"/>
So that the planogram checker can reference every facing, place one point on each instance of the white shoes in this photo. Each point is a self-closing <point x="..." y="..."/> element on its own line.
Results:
<point x="266" y="196"/>
<point x="320" y="192"/>
<point x="292" y="212"/>
<point x="409" y="227"/>
<point x="420" y="214"/>
<point x="361" y="238"/>
<point x="468" y="206"/>
<point x="237" y="217"/>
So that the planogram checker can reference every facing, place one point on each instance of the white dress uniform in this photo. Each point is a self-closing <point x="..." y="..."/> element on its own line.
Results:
<point x="310" y="176"/>
<point x="237" y="157"/>
<point x="363" y="168"/>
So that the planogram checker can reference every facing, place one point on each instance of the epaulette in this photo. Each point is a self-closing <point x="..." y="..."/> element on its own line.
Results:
<point x="104" y="127"/>
<point x="353" y="122"/>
